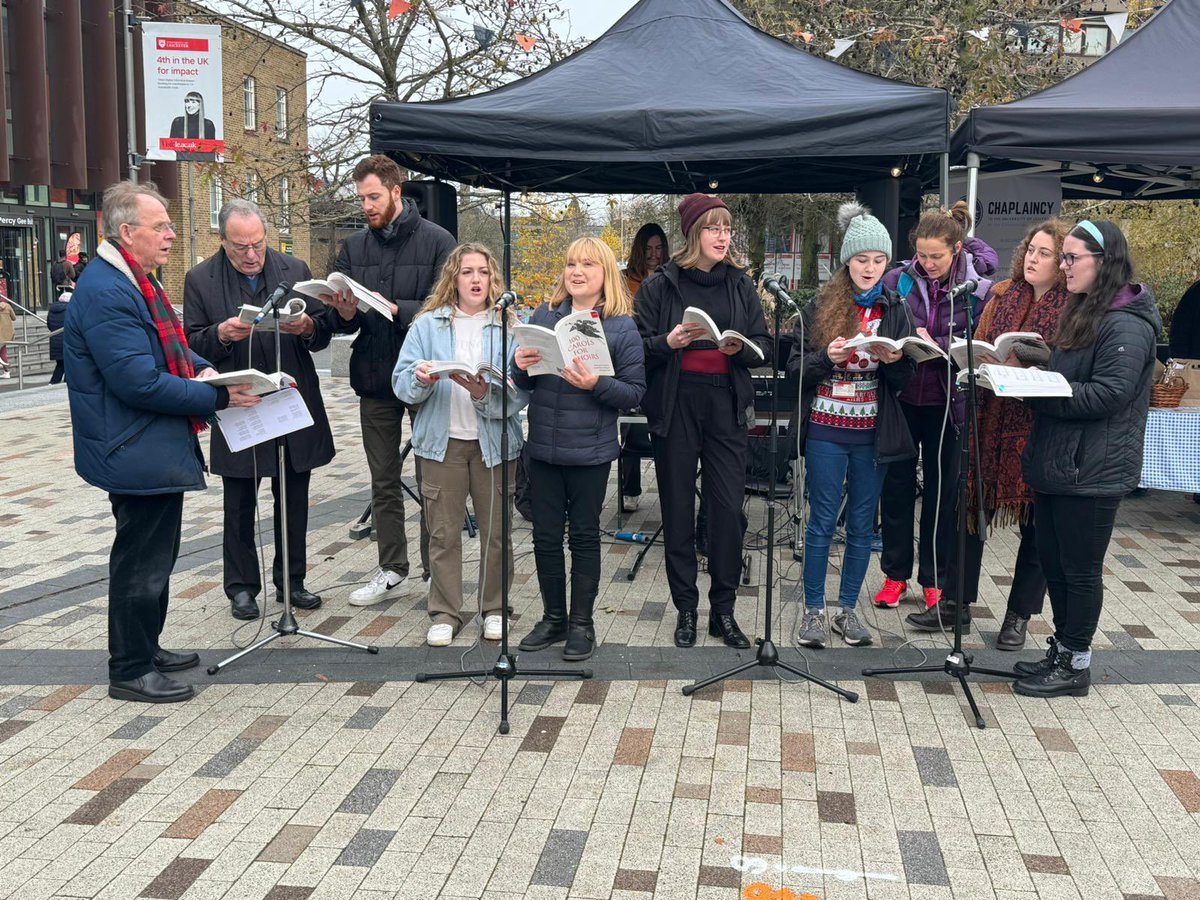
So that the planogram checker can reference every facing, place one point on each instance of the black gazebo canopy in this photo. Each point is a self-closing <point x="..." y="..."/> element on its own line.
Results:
<point x="678" y="96"/>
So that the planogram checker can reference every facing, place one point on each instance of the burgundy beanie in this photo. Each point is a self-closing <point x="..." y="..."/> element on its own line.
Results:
<point x="693" y="206"/>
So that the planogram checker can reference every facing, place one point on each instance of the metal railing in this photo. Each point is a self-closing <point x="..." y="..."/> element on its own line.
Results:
<point x="24" y="345"/>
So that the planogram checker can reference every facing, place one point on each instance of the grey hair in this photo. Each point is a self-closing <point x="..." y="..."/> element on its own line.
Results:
<point x="238" y="207"/>
<point x="120" y="204"/>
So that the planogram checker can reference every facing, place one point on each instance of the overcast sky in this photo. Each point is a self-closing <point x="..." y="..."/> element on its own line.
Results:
<point x="591" y="18"/>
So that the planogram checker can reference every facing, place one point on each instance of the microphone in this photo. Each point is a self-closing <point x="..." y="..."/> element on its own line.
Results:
<point x="774" y="286"/>
<point x="505" y="300"/>
<point x="637" y="537"/>
<point x="273" y="301"/>
<point x="967" y="287"/>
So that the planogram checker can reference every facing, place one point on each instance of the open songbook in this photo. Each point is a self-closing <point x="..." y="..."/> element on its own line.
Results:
<point x="451" y="367"/>
<point x="695" y="316"/>
<point x="336" y="281"/>
<point x="578" y="334"/>
<point x="288" y="313"/>
<point x="998" y="350"/>
<point x="1015" y="381"/>
<point x="260" y="382"/>
<point x="914" y="346"/>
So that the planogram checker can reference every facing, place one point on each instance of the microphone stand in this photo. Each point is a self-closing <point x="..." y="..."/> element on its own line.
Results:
<point x="505" y="667"/>
<point x="767" y="654"/>
<point x="287" y="625"/>
<point x="958" y="662"/>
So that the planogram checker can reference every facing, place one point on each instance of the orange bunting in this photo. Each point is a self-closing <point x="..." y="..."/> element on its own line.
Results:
<point x="934" y="38"/>
<point x="1072" y="25"/>
<point x="527" y="43"/>
<point x="807" y="35"/>
<point x="398" y="8"/>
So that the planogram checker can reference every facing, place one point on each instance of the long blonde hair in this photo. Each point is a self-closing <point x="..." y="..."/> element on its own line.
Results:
<point x="615" y="299"/>
<point x="445" y="290"/>
<point x="691" y="255"/>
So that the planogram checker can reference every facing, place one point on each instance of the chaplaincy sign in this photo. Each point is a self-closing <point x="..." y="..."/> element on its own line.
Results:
<point x="1008" y="206"/>
<point x="184" y="104"/>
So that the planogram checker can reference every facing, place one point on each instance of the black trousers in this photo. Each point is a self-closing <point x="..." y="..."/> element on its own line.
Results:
<point x="59" y="371"/>
<point x="572" y="496"/>
<point x="242" y="572"/>
<point x="899" y="500"/>
<point x="143" y="554"/>
<point x="1028" y="592"/>
<point x="1072" y="538"/>
<point x="630" y="468"/>
<point x="704" y="429"/>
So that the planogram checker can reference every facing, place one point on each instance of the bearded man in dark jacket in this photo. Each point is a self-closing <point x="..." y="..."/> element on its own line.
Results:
<point x="245" y="271"/>
<point x="399" y="256"/>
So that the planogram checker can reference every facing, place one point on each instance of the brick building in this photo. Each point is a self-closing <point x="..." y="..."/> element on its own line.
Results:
<point x="266" y="139"/>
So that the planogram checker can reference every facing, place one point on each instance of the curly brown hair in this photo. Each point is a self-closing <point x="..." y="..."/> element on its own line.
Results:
<point x="1057" y="229"/>
<point x="950" y="226"/>
<point x="837" y="314"/>
<point x="390" y="175"/>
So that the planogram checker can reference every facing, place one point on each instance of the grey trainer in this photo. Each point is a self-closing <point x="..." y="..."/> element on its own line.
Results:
<point x="811" y="632"/>
<point x="853" y="632"/>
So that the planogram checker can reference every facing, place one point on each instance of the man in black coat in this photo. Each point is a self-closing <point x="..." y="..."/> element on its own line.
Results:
<point x="399" y="256"/>
<point x="245" y="271"/>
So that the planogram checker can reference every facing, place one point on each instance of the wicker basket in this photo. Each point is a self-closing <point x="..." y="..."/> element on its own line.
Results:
<point x="1168" y="395"/>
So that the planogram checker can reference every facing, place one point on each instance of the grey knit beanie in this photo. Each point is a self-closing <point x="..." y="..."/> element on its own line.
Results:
<point x="863" y="232"/>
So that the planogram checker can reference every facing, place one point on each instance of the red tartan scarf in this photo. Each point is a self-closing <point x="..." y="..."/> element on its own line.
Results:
<point x="170" y="331"/>
<point x="1004" y="424"/>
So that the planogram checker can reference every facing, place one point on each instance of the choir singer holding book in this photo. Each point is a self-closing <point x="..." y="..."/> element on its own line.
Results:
<point x="245" y="272"/>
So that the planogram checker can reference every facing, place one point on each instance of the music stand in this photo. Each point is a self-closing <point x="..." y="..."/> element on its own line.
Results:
<point x="287" y="625"/>
<point x="505" y="667"/>
<point x="767" y="654"/>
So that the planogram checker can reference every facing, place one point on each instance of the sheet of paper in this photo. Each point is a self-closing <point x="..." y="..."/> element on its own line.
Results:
<point x="278" y="414"/>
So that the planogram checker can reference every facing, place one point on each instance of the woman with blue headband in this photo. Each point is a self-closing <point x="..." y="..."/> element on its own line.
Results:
<point x="1085" y="452"/>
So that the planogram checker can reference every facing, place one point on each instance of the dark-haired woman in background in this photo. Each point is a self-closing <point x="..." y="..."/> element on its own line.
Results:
<point x="945" y="257"/>
<point x="1085" y="452"/>
<point x="649" y="251"/>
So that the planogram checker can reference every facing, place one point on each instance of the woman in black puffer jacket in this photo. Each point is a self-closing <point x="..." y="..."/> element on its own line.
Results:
<point x="1085" y="452"/>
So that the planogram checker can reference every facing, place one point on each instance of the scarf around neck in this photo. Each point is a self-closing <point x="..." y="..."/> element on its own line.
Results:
<point x="868" y="297"/>
<point x="170" y="331"/>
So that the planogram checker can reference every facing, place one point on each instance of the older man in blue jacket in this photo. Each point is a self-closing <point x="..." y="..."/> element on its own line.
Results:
<point x="135" y="414"/>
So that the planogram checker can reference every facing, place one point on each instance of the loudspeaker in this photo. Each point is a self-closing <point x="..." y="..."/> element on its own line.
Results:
<point x="896" y="202"/>
<point x="436" y="201"/>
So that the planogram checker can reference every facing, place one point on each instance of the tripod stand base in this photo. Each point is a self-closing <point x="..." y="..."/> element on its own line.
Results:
<point x="768" y="656"/>
<point x="957" y="665"/>
<point x="286" y="627"/>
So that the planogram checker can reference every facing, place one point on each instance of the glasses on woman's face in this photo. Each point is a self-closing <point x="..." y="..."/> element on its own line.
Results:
<point x="718" y="230"/>
<point x="1069" y="259"/>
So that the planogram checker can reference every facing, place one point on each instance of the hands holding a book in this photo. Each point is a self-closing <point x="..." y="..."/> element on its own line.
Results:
<point x="347" y="306"/>
<point x="237" y="392"/>
<point x="303" y="327"/>
<point x="526" y="358"/>
<point x="577" y="374"/>
<point x="233" y="329"/>
<point x="838" y="352"/>
<point x="730" y="347"/>
<point x="475" y="386"/>
<point x="681" y="335"/>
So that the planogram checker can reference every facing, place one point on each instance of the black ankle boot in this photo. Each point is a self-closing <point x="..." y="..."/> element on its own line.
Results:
<point x="581" y="635"/>
<point x="685" y="628"/>
<point x="725" y="626"/>
<point x="1043" y="665"/>
<point x="939" y="616"/>
<point x="553" y="626"/>
<point x="1062" y="680"/>
<point x="1012" y="632"/>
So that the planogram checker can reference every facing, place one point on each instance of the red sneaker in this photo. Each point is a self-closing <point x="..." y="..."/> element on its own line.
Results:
<point x="889" y="595"/>
<point x="933" y="596"/>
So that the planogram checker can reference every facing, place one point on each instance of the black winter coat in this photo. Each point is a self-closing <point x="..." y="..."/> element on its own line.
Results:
<point x="893" y="439"/>
<point x="212" y="292"/>
<point x="56" y="318"/>
<point x="403" y="268"/>
<point x="659" y="307"/>
<point x="1090" y="444"/>
<point x="569" y="426"/>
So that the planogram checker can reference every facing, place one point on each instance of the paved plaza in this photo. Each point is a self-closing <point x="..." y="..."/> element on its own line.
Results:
<point x="310" y="771"/>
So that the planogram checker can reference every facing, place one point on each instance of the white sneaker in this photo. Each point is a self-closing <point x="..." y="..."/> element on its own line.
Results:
<point x="439" y="635"/>
<point x="382" y="585"/>
<point x="5" y="374"/>
<point x="491" y="628"/>
<point x="630" y="503"/>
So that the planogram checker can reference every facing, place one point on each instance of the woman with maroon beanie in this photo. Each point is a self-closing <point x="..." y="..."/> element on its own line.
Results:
<point x="699" y="403"/>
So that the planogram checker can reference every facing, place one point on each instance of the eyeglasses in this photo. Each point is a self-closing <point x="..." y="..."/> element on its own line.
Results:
<point x="1069" y="259"/>
<point x="718" y="230"/>
<point x="160" y="227"/>
<point x="257" y="246"/>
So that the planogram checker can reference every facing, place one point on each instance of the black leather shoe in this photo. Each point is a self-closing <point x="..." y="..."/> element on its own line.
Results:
<point x="544" y="633"/>
<point x="685" y="628"/>
<point x="301" y="599"/>
<point x="243" y="606"/>
<point x="725" y="626"/>
<point x="153" y="687"/>
<point x="1012" y="632"/>
<point x="166" y="661"/>
<point x="939" y="616"/>
<point x="1062" y="680"/>
<point x="1043" y="665"/>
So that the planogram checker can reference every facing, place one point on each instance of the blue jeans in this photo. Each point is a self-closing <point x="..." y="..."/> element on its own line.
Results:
<point x="828" y="468"/>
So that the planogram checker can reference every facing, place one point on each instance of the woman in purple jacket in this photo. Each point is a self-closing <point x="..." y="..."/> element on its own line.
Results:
<point x="945" y="257"/>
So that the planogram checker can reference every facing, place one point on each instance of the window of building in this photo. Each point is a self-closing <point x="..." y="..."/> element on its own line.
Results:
<point x="1095" y="39"/>
<point x="215" y="202"/>
<point x="252" y="187"/>
<point x="249" y="111"/>
<point x="281" y="125"/>
<point x="285" y="208"/>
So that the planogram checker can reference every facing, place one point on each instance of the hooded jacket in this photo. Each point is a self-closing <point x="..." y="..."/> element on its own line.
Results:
<point x="1090" y="444"/>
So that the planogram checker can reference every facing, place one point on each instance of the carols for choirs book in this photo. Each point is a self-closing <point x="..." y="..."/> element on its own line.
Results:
<point x="578" y="334"/>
